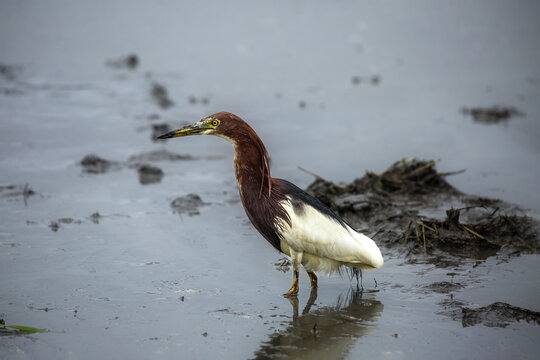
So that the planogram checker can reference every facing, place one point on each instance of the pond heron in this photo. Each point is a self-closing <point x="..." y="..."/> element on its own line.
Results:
<point x="290" y="219"/>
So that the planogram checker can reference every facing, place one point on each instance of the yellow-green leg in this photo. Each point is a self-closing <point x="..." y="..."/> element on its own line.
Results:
<point x="313" y="279"/>
<point x="296" y="258"/>
<point x="293" y="291"/>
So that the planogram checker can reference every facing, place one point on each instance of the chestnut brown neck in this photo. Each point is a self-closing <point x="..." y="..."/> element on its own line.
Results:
<point x="251" y="165"/>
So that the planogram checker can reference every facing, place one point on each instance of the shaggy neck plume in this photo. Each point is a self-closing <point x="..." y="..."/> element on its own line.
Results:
<point x="251" y="165"/>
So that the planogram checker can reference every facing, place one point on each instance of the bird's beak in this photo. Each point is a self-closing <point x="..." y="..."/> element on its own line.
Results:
<point x="195" y="129"/>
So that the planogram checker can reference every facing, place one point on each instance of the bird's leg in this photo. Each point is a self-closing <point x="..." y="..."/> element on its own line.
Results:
<point x="313" y="279"/>
<point x="293" y="291"/>
<point x="296" y="261"/>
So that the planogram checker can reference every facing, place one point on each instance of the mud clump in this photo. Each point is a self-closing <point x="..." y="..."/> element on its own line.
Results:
<point x="149" y="174"/>
<point x="95" y="217"/>
<point x="405" y="177"/>
<point x="160" y="95"/>
<point x="189" y="204"/>
<point x="498" y="314"/>
<point x="393" y="206"/>
<point x="54" y="226"/>
<point x="129" y="62"/>
<point x="93" y="164"/>
<point x="392" y="197"/>
<point x="492" y="115"/>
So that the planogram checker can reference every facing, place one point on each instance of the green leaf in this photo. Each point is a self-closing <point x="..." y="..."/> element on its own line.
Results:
<point x="26" y="329"/>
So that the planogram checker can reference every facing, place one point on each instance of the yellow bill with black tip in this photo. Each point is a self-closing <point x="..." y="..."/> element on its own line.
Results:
<point x="195" y="129"/>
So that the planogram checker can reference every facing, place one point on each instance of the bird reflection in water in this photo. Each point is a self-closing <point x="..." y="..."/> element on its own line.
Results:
<point x="328" y="332"/>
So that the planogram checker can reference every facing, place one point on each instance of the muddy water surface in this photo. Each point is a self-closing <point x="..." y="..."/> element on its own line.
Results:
<point x="104" y="262"/>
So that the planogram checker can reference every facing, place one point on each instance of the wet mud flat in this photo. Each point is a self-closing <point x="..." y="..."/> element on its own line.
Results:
<point x="115" y="244"/>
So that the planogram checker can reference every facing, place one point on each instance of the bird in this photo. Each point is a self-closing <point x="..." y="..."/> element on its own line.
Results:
<point x="292" y="221"/>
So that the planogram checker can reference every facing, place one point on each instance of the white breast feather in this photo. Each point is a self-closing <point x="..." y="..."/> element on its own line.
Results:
<point x="319" y="236"/>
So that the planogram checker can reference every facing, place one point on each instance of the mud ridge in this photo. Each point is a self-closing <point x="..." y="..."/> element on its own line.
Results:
<point x="398" y="208"/>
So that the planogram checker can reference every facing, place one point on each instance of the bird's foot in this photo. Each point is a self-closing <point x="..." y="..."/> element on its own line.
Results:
<point x="313" y="279"/>
<point x="293" y="291"/>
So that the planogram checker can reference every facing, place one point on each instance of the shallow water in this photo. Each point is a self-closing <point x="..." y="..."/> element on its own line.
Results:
<point x="143" y="281"/>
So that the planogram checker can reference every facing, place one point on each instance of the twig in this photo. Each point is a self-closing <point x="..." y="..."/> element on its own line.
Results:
<point x="424" y="237"/>
<point x="311" y="173"/>
<point x="473" y="232"/>
<point x="425" y="226"/>
<point x="428" y="165"/>
<point x="452" y="173"/>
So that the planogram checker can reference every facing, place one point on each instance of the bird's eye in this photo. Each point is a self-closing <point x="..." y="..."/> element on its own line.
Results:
<point x="214" y="123"/>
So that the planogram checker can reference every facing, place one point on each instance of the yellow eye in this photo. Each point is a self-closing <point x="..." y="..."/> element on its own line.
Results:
<point x="214" y="123"/>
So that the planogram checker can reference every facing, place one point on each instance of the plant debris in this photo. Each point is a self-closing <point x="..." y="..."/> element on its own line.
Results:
<point x="492" y="115"/>
<point x="498" y="314"/>
<point x="480" y="239"/>
<point x="392" y="205"/>
<point x="8" y="330"/>
<point x="189" y="204"/>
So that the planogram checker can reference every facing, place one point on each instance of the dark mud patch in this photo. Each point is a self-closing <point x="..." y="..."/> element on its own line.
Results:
<point x="492" y="115"/>
<point x="159" y="155"/>
<point x="149" y="174"/>
<point x="392" y="208"/>
<point x="95" y="217"/>
<point x="93" y="164"/>
<point x="498" y="314"/>
<point x="54" y="226"/>
<point x="443" y="287"/>
<point x="129" y="62"/>
<point x="188" y="204"/>
<point x="160" y="96"/>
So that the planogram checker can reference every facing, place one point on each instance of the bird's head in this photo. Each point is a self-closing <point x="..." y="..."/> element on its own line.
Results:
<point x="222" y="124"/>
